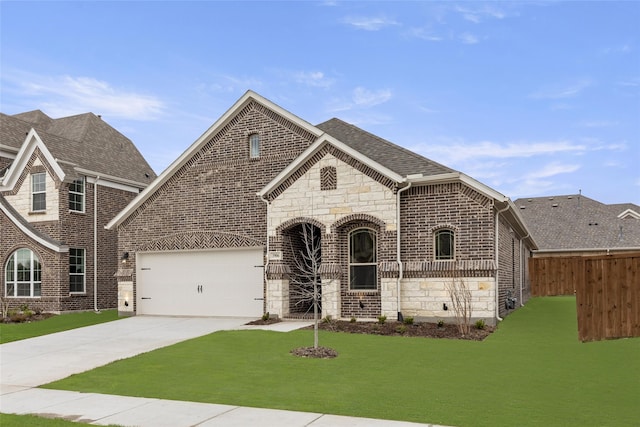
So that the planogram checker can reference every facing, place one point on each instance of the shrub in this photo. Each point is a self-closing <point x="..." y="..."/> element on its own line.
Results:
<point x="480" y="324"/>
<point x="408" y="321"/>
<point x="353" y="319"/>
<point x="401" y="329"/>
<point x="265" y="316"/>
<point x="326" y="319"/>
<point x="440" y="323"/>
<point x="382" y="319"/>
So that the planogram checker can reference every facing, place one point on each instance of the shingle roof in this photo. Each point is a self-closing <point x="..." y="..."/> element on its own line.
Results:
<point x="578" y="222"/>
<point x="84" y="140"/>
<point x="389" y="155"/>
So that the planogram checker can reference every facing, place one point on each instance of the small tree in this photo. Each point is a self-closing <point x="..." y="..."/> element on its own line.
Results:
<point x="305" y="284"/>
<point x="461" y="301"/>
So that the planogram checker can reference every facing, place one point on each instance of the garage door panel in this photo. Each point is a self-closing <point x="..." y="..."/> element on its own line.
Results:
<point x="200" y="283"/>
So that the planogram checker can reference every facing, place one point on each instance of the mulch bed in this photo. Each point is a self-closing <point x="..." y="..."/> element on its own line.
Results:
<point x="26" y="317"/>
<point x="394" y="328"/>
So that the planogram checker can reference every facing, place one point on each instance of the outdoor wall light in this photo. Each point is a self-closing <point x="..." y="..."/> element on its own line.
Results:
<point x="444" y="306"/>
<point x="125" y="257"/>
<point x="126" y="303"/>
<point x="361" y="304"/>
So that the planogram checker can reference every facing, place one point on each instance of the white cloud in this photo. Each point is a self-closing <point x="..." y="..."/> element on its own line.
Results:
<point x="66" y="95"/>
<point x="468" y="38"/>
<point x="423" y="34"/>
<point x="366" y="98"/>
<point x="598" y="123"/>
<point x="562" y="92"/>
<point x="370" y="23"/>
<point x="478" y="15"/>
<point x="459" y="151"/>
<point x="313" y="78"/>
<point x="551" y="169"/>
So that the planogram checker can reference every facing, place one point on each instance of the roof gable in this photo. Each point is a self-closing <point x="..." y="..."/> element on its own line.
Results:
<point x="227" y="120"/>
<point x="32" y="142"/>
<point x="83" y="142"/>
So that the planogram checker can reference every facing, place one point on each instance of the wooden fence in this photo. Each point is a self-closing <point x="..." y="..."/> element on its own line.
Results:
<point x="607" y="290"/>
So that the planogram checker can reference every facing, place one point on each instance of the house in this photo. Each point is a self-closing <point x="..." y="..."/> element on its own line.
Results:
<point x="61" y="181"/>
<point x="574" y="225"/>
<point x="218" y="233"/>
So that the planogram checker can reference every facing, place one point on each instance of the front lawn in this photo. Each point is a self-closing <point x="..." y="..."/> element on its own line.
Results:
<point x="19" y="331"/>
<point x="531" y="371"/>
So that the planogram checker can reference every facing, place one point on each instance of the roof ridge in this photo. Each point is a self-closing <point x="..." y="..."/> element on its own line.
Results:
<point x="387" y="142"/>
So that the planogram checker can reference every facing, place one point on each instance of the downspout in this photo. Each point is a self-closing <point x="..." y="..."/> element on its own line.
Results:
<point x="496" y="257"/>
<point x="95" y="245"/>
<point x="400" y="265"/>
<point x="266" y="262"/>
<point x="522" y="262"/>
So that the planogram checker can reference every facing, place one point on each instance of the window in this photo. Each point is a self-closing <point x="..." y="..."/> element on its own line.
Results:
<point x="76" y="195"/>
<point x="76" y="270"/>
<point x="38" y="191"/>
<point x="444" y="244"/>
<point x="363" y="273"/>
<point x="254" y="146"/>
<point x="23" y="274"/>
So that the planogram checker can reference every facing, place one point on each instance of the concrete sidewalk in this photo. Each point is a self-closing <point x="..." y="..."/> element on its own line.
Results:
<point x="30" y="363"/>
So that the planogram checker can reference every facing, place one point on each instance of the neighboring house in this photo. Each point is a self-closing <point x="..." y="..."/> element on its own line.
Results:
<point x="61" y="181"/>
<point x="217" y="233"/>
<point x="573" y="224"/>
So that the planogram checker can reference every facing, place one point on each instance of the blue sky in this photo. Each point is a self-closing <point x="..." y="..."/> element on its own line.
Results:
<point x="531" y="98"/>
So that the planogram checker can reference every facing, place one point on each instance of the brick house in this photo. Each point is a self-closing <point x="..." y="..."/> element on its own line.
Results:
<point x="219" y="232"/>
<point x="61" y="181"/>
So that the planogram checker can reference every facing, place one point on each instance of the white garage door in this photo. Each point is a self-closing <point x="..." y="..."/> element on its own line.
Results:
<point x="200" y="283"/>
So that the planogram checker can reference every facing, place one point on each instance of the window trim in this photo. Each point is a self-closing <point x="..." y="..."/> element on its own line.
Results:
<point x="82" y="195"/>
<point x="452" y="244"/>
<point x="373" y="264"/>
<point x="254" y="145"/>
<point x="38" y="192"/>
<point x="82" y="274"/>
<point x="35" y="286"/>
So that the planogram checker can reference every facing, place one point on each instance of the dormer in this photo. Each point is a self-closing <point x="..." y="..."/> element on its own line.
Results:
<point x="629" y="214"/>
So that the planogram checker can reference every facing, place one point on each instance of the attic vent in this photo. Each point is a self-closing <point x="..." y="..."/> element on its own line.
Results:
<point x="570" y="197"/>
<point x="555" y="205"/>
<point x="328" y="178"/>
<point x="550" y="198"/>
<point x="523" y="207"/>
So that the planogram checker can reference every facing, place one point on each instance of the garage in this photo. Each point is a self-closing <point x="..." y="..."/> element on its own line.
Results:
<point x="227" y="282"/>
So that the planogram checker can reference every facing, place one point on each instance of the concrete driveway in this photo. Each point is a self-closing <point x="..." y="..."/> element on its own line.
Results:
<point x="37" y="361"/>
<point x="30" y="363"/>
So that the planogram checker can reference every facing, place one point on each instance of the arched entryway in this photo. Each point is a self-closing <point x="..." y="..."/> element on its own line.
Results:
<point x="302" y="252"/>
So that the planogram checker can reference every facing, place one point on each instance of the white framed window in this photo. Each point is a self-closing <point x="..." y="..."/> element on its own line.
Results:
<point x="444" y="244"/>
<point x="254" y="146"/>
<point x="363" y="267"/>
<point x="77" y="271"/>
<point x="23" y="274"/>
<point x="38" y="192"/>
<point x="76" y="195"/>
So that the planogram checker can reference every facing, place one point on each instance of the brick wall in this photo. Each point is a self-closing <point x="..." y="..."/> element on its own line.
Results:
<point x="215" y="191"/>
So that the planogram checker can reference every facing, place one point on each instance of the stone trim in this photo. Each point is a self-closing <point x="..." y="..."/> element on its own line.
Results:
<point x="199" y="240"/>
<point x="469" y="268"/>
<point x="278" y="271"/>
<point x="330" y="270"/>
<point x="296" y="221"/>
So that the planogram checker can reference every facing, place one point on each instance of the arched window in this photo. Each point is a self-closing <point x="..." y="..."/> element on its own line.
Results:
<point x="254" y="146"/>
<point x="23" y="274"/>
<point x="444" y="244"/>
<point x="363" y="269"/>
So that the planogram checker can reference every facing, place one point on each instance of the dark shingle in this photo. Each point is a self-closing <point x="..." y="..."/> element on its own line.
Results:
<point x="389" y="155"/>
<point x="578" y="222"/>
<point x="84" y="140"/>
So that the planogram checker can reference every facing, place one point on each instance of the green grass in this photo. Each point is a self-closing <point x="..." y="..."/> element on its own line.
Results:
<point x="10" y="420"/>
<point x="19" y="331"/>
<point x="531" y="371"/>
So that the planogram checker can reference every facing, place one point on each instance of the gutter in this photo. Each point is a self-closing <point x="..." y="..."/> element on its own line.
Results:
<point x="95" y="244"/>
<point x="400" y="265"/>
<point x="497" y="258"/>
<point x="522" y="270"/>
